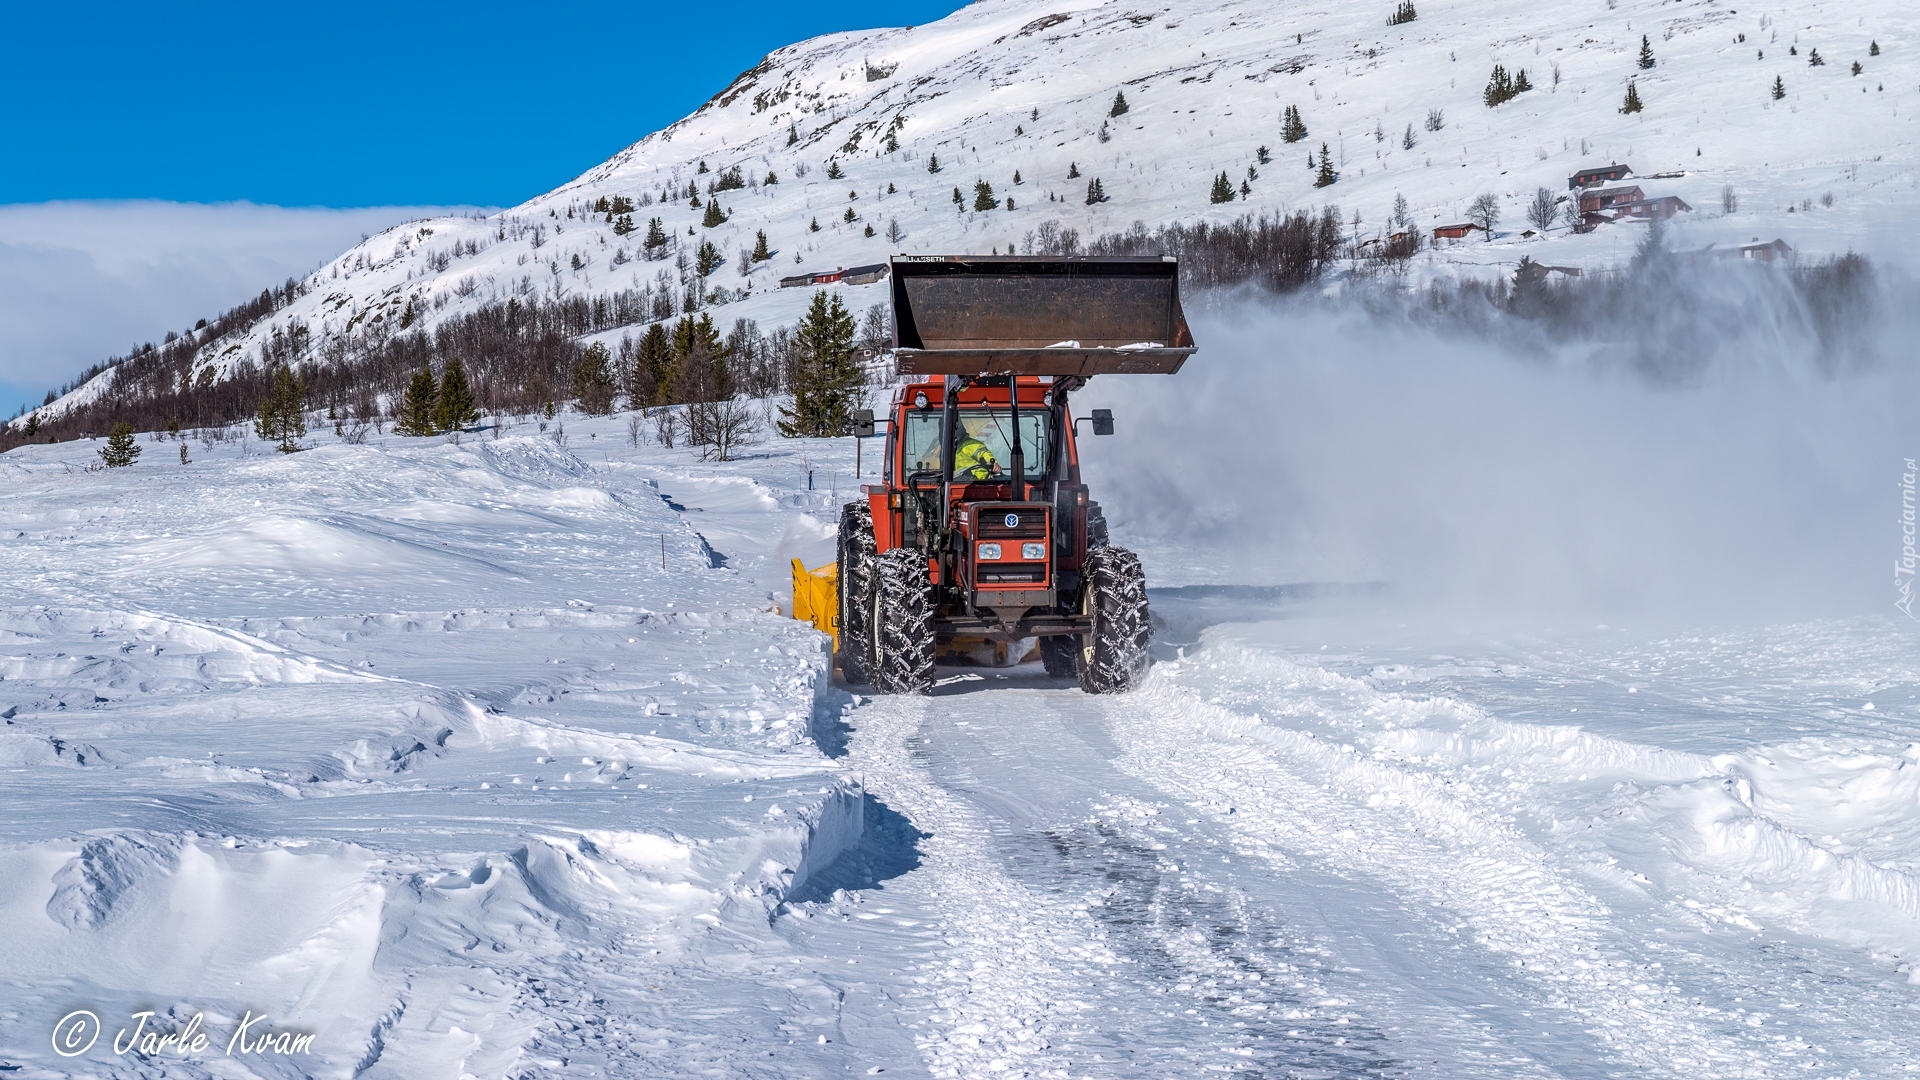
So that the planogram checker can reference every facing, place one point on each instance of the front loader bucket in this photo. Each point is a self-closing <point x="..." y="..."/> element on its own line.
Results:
<point x="1038" y="315"/>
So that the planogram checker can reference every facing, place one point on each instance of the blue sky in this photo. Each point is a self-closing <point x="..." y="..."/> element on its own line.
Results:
<point x="354" y="103"/>
<point x="241" y="108"/>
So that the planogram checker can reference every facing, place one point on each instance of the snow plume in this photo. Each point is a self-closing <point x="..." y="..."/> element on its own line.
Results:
<point x="1470" y="465"/>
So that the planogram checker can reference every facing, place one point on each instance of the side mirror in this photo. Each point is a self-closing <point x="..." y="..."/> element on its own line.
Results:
<point x="1103" y="421"/>
<point x="863" y="423"/>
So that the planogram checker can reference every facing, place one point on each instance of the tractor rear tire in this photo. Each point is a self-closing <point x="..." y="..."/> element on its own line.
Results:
<point x="855" y="587"/>
<point x="1113" y="656"/>
<point x="902" y="624"/>
<point x="1057" y="653"/>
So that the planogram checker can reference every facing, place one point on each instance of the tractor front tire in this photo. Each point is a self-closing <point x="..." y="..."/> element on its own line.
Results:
<point x="855" y="587"/>
<point x="1113" y="656"/>
<point x="902" y="624"/>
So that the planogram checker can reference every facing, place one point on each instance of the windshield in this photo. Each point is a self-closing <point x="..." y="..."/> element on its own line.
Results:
<point x="983" y="439"/>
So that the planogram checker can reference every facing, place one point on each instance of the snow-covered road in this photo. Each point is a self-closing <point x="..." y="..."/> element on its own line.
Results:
<point x="422" y="749"/>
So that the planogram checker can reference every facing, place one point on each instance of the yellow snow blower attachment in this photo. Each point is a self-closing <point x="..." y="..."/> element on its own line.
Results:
<point x="815" y="599"/>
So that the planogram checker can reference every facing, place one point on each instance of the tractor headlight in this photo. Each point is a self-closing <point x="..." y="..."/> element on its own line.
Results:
<point x="1033" y="552"/>
<point x="989" y="551"/>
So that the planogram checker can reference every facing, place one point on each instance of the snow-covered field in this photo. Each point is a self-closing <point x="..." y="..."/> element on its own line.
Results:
<point x="499" y="758"/>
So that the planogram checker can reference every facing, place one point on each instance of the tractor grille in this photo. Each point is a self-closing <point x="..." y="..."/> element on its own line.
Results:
<point x="1031" y="523"/>
<point x="1027" y="575"/>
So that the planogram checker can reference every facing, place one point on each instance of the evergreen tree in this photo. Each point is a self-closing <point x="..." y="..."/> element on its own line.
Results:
<point x="1814" y="59"/>
<point x="713" y="217"/>
<point x="593" y="383"/>
<point x="1292" y="128"/>
<point x="983" y="196"/>
<point x="700" y="370"/>
<point x="933" y="162"/>
<point x="653" y="367"/>
<point x="1520" y="83"/>
<point x="453" y="407"/>
<point x="120" y="450"/>
<point x="833" y="169"/>
<point x="1779" y="88"/>
<point x="1646" y="53"/>
<point x="1856" y="67"/>
<point x="1222" y="189"/>
<point x="184" y="460"/>
<point x="1119" y="105"/>
<point x="656" y="235"/>
<point x="793" y="134"/>
<point x="1402" y="14"/>
<point x="623" y="225"/>
<point x="33" y="424"/>
<point x="1407" y="141"/>
<point x="1529" y="297"/>
<point x="760" y="252"/>
<point x="1632" y="104"/>
<point x="1325" y="177"/>
<point x="416" y="413"/>
<point x="893" y="142"/>
<point x="707" y="258"/>
<point x="814" y="225"/>
<point x="1016" y="177"/>
<point x="772" y="178"/>
<point x="1873" y="48"/>
<point x="283" y="412"/>
<point x="869" y="230"/>
<point x="1096" y="193"/>
<point x="1073" y="170"/>
<point x="829" y="379"/>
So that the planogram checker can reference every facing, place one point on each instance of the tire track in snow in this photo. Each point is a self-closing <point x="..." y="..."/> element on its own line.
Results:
<point x="1289" y="796"/>
<point x="1017" y="962"/>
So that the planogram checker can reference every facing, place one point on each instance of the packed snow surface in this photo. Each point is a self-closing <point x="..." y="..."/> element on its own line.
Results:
<point x="497" y="758"/>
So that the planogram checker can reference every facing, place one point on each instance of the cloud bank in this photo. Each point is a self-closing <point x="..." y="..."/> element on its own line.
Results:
<point x="81" y="281"/>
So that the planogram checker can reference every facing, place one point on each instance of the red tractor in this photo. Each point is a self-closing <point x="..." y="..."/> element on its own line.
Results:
<point x="982" y="528"/>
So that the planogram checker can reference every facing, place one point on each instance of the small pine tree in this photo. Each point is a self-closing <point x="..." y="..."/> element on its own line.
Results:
<point x="869" y="230"/>
<point x="1292" y="128"/>
<point x="652" y="368"/>
<point x="707" y="258"/>
<point x="593" y="383"/>
<point x="760" y="251"/>
<point x="1222" y="190"/>
<point x="283" y="413"/>
<point x="1814" y="58"/>
<point x="1520" y="83"/>
<point x="1119" y="105"/>
<point x="957" y="197"/>
<point x="1632" y="104"/>
<point x="814" y="225"/>
<point x="713" y="216"/>
<point x="983" y="196"/>
<point x="453" y="407"/>
<point x="1873" y="48"/>
<point x="1095" y="192"/>
<point x="772" y="178"/>
<point x="1856" y="67"/>
<point x="1016" y="176"/>
<point x="1779" y="88"/>
<point x="828" y="377"/>
<point x="933" y="163"/>
<point x="1325" y="176"/>
<point x="893" y="142"/>
<point x="1073" y="170"/>
<point x="1646" y="53"/>
<point x="1009" y="202"/>
<point x="833" y="169"/>
<point x="656" y="234"/>
<point x="121" y="450"/>
<point x="850" y="216"/>
<point x="33" y="424"/>
<point x="1407" y="141"/>
<point x="1402" y="14"/>
<point x="184" y="460"/>
<point x="793" y="134"/>
<point x="1264" y="155"/>
<point x="416" y="412"/>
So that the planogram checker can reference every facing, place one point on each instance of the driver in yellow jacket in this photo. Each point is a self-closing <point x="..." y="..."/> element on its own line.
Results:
<point x="971" y="459"/>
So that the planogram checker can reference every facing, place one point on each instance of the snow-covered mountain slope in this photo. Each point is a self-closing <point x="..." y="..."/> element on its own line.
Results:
<point x="1007" y="89"/>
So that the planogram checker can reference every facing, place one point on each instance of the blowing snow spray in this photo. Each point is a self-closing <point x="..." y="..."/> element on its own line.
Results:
<point x="1903" y="566"/>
